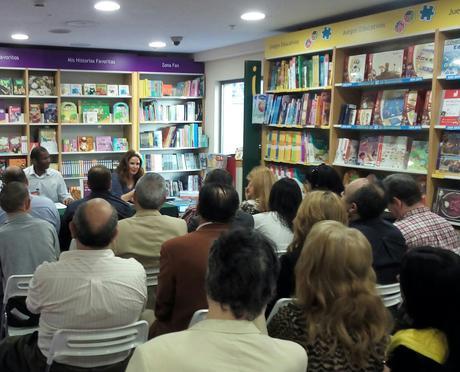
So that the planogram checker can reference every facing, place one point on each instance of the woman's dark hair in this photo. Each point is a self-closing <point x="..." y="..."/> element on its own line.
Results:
<point x="217" y="202"/>
<point x="285" y="198"/>
<point x="242" y="272"/>
<point x="123" y="167"/>
<point x="323" y="177"/>
<point x="430" y="280"/>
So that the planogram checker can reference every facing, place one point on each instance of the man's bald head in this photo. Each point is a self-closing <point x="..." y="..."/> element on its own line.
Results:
<point x="354" y="186"/>
<point x="365" y="199"/>
<point x="95" y="223"/>
<point x="14" y="174"/>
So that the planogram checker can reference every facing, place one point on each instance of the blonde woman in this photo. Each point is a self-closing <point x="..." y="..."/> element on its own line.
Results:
<point x="338" y="316"/>
<point x="260" y="182"/>
<point x="316" y="206"/>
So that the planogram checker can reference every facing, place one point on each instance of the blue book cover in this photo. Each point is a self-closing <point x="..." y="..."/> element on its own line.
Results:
<point x="451" y="57"/>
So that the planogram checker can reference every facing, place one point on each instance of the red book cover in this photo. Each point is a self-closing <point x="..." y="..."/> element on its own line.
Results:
<point x="450" y="110"/>
<point x="426" y="112"/>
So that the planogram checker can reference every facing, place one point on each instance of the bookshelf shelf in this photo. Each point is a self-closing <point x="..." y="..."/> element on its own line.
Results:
<point x="444" y="127"/>
<point x="173" y="97"/>
<point x="177" y="171"/>
<point x="287" y="126"/>
<point x="382" y="83"/>
<point x="12" y="124"/>
<point x="44" y="124"/>
<point x="94" y="97"/>
<point x="382" y="127"/>
<point x="170" y="148"/>
<point x="299" y="90"/>
<point x="11" y="96"/>
<point x="446" y="175"/>
<point x="292" y="162"/>
<point x="10" y="154"/>
<point x="381" y="169"/>
<point x="91" y="152"/>
<point x="170" y="122"/>
<point x="449" y="77"/>
<point x="43" y="97"/>
<point x="94" y="125"/>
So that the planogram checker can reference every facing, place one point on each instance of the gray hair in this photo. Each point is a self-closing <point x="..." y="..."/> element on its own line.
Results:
<point x="150" y="191"/>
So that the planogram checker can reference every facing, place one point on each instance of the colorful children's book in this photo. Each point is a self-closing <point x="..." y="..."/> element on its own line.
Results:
<point x="69" y="112"/>
<point x="368" y="150"/>
<point x="123" y="90"/>
<point x="385" y="65"/>
<point x="355" y="68"/>
<point x="15" y="114"/>
<point x="393" y="152"/>
<point x="4" y="145"/>
<point x="450" y="109"/>
<point x="366" y="108"/>
<point x="112" y="90"/>
<point x="451" y="56"/>
<point x="17" y="162"/>
<point x="41" y="85"/>
<point x="15" y="144"/>
<point x="19" y="88"/>
<point x="447" y="204"/>
<point x="103" y="143"/>
<point x="85" y="143"/>
<point x="35" y="114"/>
<point x="50" y="112"/>
<point x="389" y="107"/>
<point x="76" y="90"/>
<point x="419" y="61"/>
<point x="102" y="108"/>
<point x="89" y="89"/>
<point x="413" y="106"/>
<point x="120" y="112"/>
<point x="47" y="139"/>
<point x="418" y="156"/>
<point x="120" y="144"/>
<point x="101" y="89"/>
<point x="259" y="102"/>
<point x="6" y="86"/>
<point x="65" y="89"/>
<point x="426" y="112"/>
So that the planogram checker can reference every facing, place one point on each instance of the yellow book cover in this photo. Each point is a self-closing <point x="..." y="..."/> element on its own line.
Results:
<point x="282" y="146"/>
<point x="268" y="146"/>
<point x="315" y="60"/>
<point x="275" y="148"/>
<point x="288" y="147"/>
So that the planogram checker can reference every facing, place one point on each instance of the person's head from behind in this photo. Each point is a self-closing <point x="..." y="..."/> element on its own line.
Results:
<point x="15" y="198"/>
<point x="429" y="281"/>
<point x="323" y="177"/>
<point x="217" y="203"/>
<point x="14" y="174"/>
<point x="40" y="158"/>
<point x="335" y="287"/>
<point x="150" y="192"/>
<point x="403" y="194"/>
<point x="317" y="206"/>
<point x="242" y="273"/>
<point x="130" y="166"/>
<point x="364" y="199"/>
<point x="260" y="182"/>
<point x="99" y="178"/>
<point x="285" y="198"/>
<point x="94" y="224"/>
<point x="219" y="176"/>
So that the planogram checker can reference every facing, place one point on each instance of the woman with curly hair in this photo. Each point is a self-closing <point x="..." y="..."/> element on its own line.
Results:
<point x="126" y="175"/>
<point x="260" y="182"/>
<point x="337" y="315"/>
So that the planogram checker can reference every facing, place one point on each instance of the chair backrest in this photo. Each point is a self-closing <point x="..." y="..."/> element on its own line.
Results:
<point x="279" y="304"/>
<point x="390" y="293"/>
<point x="152" y="276"/>
<point x="16" y="285"/>
<point x="198" y="316"/>
<point x="97" y="342"/>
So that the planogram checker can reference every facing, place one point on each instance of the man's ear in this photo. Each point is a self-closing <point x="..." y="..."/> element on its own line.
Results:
<point x="353" y="208"/>
<point x="27" y="204"/>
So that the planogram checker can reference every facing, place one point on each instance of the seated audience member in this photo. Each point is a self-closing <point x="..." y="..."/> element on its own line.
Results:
<point x="323" y="177"/>
<point x="99" y="181"/>
<point x="45" y="181"/>
<point x="419" y="226"/>
<point x="221" y="177"/>
<point x="88" y="288"/>
<point x="25" y="241"/>
<point x="285" y="198"/>
<point x="240" y="280"/>
<point x="260" y="181"/>
<point x="337" y="315"/>
<point x="142" y="235"/>
<point x="183" y="261"/>
<point x="365" y="203"/>
<point x="316" y="206"/>
<point x="40" y="207"/>
<point x="125" y="177"/>
<point x="429" y="285"/>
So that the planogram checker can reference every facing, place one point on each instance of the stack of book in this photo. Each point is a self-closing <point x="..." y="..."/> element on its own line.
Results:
<point x="157" y="88"/>
<point x="80" y="168"/>
<point x="173" y="162"/>
<point x="153" y="110"/>
<point x="188" y="136"/>
<point x="98" y="144"/>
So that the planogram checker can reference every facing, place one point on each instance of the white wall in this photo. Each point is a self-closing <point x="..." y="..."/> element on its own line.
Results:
<point x="220" y="65"/>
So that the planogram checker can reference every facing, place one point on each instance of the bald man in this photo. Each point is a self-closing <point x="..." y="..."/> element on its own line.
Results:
<point x="365" y="202"/>
<point x="88" y="288"/>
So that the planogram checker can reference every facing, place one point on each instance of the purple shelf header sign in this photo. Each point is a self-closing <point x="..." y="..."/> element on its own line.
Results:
<point x="93" y="60"/>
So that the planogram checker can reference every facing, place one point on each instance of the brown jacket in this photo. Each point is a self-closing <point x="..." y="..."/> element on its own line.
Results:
<point x="181" y="282"/>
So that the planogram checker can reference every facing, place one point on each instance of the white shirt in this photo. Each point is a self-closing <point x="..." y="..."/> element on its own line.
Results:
<point x="218" y="345"/>
<point x="269" y="224"/>
<point x="50" y="184"/>
<point x="88" y="289"/>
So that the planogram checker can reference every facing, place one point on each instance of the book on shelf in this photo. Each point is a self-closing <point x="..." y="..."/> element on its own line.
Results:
<point x="166" y="90"/>
<point x="69" y="144"/>
<point x="89" y="89"/>
<point x="41" y="85"/>
<point x="451" y="56"/>
<point x="389" y="107"/>
<point x="447" y="204"/>
<point x="418" y="156"/>
<point x="15" y="114"/>
<point x="413" y="107"/>
<point x="101" y="89"/>
<point x="393" y="152"/>
<point x="347" y="151"/>
<point x="365" y="112"/>
<point x="449" y="152"/>
<point x="19" y="87"/>
<point x="101" y="108"/>
<point x="85" y="143"/>
<point x="17" y="162"/>
<point x="4" y="144"/>
<point x="112" y="90"/>
<point x="76" y="90"/>
<point x="348" y="114"/>
<point x="450" y="108"/>
<point x="426" y="112"/>
<point x="80" y="168"/>
<point x="368" y="151"/>
<point x="47" y="139"/>
<point x="64" y="89"/>
<point x="120" y="144"/>
<point x="418" y="61"/>
<point x="385" y="65"/>
<point x="6" y="86"/>
<point x="120" y="112"/>
<point x="3" y="116"/>
<point x="69" y="112"/>
<point x="153" y="110"/>
<point x="50" y="113"/>
<point x="355" y="68"/>
<point x="104" y="143"/>
<point x="35" y="114"/>
<point x="18" y="144"/>
<point x="123" y="90"/>
<point x="259" y="102"/>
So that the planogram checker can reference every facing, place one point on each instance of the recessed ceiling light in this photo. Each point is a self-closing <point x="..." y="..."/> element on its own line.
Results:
<point x="107" y="6"/>
<point x="19" y="36"/>
<point x="253" y="16"/>
<point x="157" y="44"/>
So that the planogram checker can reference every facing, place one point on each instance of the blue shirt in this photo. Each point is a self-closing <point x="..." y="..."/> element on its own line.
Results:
<point x="42" y="208"/>
<point x="119" y="188"/>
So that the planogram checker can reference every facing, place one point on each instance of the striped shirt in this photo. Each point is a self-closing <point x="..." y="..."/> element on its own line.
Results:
<point x="421" y="227"/>
<point x="88" y="289"/>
